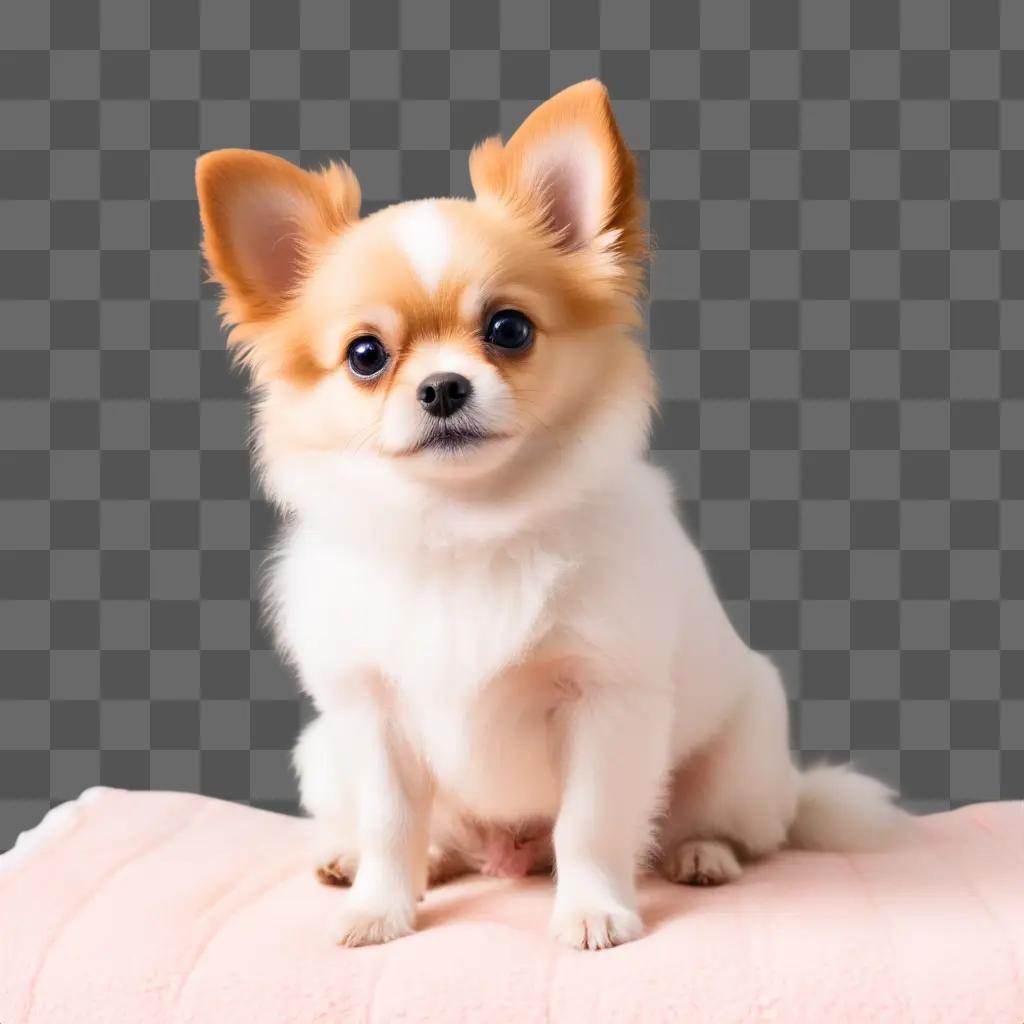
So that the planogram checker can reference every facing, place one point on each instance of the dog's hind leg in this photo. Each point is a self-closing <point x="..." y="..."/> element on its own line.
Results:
<point x="735" y="798"/>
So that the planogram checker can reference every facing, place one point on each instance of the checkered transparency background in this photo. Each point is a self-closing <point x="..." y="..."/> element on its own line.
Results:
<point x="837" y="193"/>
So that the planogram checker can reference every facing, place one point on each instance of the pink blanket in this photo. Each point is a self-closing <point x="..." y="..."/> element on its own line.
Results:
<point x="153" y="907"/>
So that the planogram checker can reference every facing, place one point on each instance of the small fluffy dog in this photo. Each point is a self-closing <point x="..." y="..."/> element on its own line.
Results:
<point x="519" y="661"/>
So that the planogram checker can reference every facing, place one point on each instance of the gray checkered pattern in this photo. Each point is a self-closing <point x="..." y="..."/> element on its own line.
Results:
<point x="837" y="193"/>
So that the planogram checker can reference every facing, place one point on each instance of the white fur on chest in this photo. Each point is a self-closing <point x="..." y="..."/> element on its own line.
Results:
<point x="464" y="637"/>
<point x="453" y="638"/>
<point x="434" y="624"/>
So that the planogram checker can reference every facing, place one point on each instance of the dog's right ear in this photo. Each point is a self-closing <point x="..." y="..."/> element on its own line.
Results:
<point x="263" y="218"/>
<point x="569" y="160"/>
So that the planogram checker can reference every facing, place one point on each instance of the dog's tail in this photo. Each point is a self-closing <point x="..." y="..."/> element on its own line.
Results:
<point x="840" y="809"/>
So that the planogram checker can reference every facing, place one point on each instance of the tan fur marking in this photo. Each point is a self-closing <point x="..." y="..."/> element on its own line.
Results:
<point x="234" y="187"/>
<point x="582" y="301"/>
<point x="501" y="171"/>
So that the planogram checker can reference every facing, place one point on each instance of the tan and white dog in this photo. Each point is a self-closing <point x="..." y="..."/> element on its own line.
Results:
<point x="517" y="656"/>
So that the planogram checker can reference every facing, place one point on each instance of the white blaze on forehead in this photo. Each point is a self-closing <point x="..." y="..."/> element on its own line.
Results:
<point x="425" y="238"/>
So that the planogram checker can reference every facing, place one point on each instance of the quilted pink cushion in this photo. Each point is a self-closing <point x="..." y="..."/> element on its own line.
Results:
<point x="152" y="907"/>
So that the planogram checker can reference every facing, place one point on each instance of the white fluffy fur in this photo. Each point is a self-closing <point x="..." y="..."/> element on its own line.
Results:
<point x="555" y="654"/>
<point x="840" y="809"/>
<point x="521" y="633"/>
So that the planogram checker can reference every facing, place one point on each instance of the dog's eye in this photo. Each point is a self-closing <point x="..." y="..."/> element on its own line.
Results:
<point x="367" y="357"/>
<point x="509" y="329"/>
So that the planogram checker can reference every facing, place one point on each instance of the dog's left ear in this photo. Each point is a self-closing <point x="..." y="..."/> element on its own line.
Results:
<point x="569" y="163"/>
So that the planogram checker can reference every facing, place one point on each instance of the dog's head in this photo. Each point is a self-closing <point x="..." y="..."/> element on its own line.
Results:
<point x="446" y="338"/>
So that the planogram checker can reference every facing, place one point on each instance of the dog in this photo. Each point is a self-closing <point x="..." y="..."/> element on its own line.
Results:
<point x="517" y="655"/>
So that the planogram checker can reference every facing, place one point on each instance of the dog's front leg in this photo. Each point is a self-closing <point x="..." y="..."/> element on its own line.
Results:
<point x="615" y="766"/>
<point x="392" y="803"/>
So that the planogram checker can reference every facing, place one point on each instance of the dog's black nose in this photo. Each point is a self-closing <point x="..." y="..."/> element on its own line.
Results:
<point x="442" y="394"/>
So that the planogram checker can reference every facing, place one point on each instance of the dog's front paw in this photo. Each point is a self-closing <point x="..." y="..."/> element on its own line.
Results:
<point x="368" y="925"/>
<point x="595" y="926"/>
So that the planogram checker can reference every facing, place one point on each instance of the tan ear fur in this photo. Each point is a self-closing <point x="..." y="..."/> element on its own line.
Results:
<point x="262" y="218"/>
<point x="509" y="173"/>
